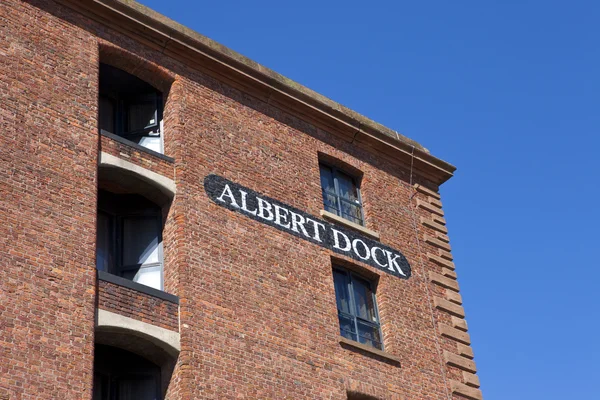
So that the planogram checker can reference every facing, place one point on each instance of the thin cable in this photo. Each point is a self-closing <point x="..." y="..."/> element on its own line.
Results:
<point x="356" y="133"/>
<point x="433" y="321"/>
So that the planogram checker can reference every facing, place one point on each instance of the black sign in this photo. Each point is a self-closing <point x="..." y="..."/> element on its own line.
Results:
<point x="293" y="221"/>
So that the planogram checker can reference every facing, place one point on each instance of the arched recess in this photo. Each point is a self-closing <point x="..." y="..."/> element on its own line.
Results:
<point x="121" y="176"/>
<point x="134" y="98"/>
<point x="155" y="344"/>
<point x="121" y="374"/>
<point x="136" y="200"/>
<point x="152" y="73"/>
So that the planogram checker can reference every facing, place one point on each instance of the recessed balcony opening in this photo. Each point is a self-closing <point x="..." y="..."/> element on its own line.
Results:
<point x="130" y="107"/>
<point x="122" y="375"/>
<point x="129" y="238"/>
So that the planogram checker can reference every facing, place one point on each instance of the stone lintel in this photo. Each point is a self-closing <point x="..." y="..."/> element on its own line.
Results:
<point x="162" y="183"/>
<point x="164" y="338"/>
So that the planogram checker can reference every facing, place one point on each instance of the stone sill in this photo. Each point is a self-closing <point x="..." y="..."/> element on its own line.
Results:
<point x="369" y="349"/>
<point x="349" y="224"/>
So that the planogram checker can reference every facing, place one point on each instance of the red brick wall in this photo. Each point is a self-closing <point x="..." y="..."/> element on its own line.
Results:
<point x="137" y="157"/>
<point x="268" y="298"/>
<point x="48" y="156"/>
<point x="137" y="305"/>
<point x="257" y="305"/>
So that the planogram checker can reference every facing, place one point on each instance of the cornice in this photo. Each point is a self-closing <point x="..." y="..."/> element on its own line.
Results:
<point x="179" y="42"/>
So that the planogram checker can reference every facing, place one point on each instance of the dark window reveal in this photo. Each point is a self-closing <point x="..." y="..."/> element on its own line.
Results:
<point x="129" y="238"/>
<point x="341" y="194"/>
<point x="357" y="308"/>
<point x="130" y="107"/>
<point x="360" y="396"/>
<point x="120" y="375"/>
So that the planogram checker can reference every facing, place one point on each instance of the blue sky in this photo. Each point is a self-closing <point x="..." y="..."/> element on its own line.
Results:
<point x="508" y="92"/>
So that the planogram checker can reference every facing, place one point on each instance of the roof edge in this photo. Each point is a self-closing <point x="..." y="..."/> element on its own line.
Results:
<point x="177" y="38"/>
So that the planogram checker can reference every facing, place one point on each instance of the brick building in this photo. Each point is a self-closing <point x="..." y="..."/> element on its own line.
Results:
<point x="180" y="222"/>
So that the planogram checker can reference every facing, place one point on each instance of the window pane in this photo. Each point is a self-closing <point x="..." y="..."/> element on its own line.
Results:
<point x="140" y="240"/>
<point x="136" y="389"/>
<point x="142" y="113"/>
<point x="103" y="243"/>
<point x="106" y="114"/>
<point x="368" y="334"/>
<point x="342" y="296"/>
<point x="151" y="142"/>
<point x="363" y="299"/>
<point x="360" y="323"/>
<point x="101" y="387"/>
<point x="347" y="329"/>
<point x="330" y="202"/>
<point x="327" y="179"/>
<point x="149" y="276"/>
<point x="352" y="212"/>
<point x="347" y="187"/>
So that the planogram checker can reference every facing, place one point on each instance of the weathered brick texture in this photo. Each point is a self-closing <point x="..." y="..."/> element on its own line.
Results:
<point x="257" y="306"/>
<point x="137" y="305"/>
<point x="48" y="152"/>
<point x="138" y="157"/>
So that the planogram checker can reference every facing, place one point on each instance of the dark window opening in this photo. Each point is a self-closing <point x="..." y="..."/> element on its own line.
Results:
<point x="121" y="375"/>
<point x="360" y="396"/>
<point x="130" y="107"/>
<point x="129" y="238"/>
<point x="341" y="194"/>
<point x="357" y="308"/>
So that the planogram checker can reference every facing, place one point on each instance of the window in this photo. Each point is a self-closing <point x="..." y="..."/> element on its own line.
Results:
<point x="129" y="238"/>
<point x="130" y="108"/>
<point x="357" y="308"/>
<point x="359" y="396"/>
<point x="341" y="194"/>
<point x="121" y="375"/>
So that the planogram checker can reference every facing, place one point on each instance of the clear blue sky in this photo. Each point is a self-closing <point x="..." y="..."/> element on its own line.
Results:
<point x="508" y="92"/>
